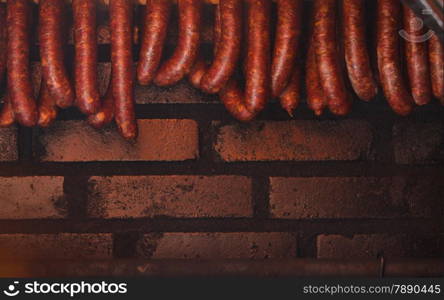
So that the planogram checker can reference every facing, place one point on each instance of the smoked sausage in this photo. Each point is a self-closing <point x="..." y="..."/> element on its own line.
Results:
<point x="7" y="117"/>
<point x="20" y="90"/>
<point x="416" y="58"/>
<point x="47" y="107"/>
<point x="291" y="96"/>
<point x="257" y="65"/>
<point x="186" y="52"/>
<point x="122" y="81"/>
<point x="106" y="113"/>
<point x="395" y="90"/>
<point x="245" y="106"/>
<point x="356" y="51"/>
<point x="288" y="30"/>
<point x="316" y="99"/>
<point x="227" y="46"/>
<point x="436" y="58"/>
<point x="85" y="43"/>
<point x="327" y="58"/>
<point x="51" y="14"/>
<point x="156" y="18"/>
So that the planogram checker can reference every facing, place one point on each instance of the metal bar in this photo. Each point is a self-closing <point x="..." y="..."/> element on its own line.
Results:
<point x="258" y="268"/>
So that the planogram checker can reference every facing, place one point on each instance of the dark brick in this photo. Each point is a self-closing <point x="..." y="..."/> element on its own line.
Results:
<point x="8" y="144"/>
<point x="416" y="143"/>
<point x="55" y="246"/>
<point x="294" y="140"/>
<point x="172" y="196"/>
<point x="356" y="197"/>
<point x="371" y="245"/>
<point x="172" y="140"/>
<point x="238" y="245"/>
<point x="32" y="197"/>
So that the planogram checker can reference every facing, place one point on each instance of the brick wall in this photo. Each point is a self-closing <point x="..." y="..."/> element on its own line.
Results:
<point x="199" y="185"/>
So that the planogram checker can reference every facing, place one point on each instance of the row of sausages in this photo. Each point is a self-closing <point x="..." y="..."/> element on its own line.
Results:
<point x="338" y="60"/>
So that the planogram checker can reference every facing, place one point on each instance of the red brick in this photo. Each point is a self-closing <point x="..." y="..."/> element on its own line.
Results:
<point x="371" y="245"/>
<point x="56" y="246"/>
<point x="415" y="142"/>
<point x="8" y="144"/>
<point x="356" y="197"/>
<point x="173" y="140"/>
<point x="239" y="245"/>
<point x="172" y="196"/>
<point x="294" y="140"/>
<point x="32" y="197"/>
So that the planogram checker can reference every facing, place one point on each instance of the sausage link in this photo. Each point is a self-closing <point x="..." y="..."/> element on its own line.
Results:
<point x="227" y="46"/>
<point x="257" y="67"/>
<point x="288" y="31"/>
<point x="233" y="99"/>
<point x="291" y="96"/>
<point x="327" y="59"/>
<point x="245" y="106"/>
<point x="106" y="113"/>
<point x="20" y="89"/>
<point x="316" y="99"/>
<point x="3" y="41"/>
<point x="122" y="81"/>
<point x="186" y="52"/>
<point x="417" y="59"/>
<point x="51" y="14"/>
<point x="47" y="107"/>
<point x="197" y="72"/>
<point x="85" y="42"/>
<point x="7" y="117"/>
<point x="389" y="17"/>
<point x="356" y="51"/>
<point x="436" y="58"/>
<point x="201" y="66"/>
<point x="157" y="14"/>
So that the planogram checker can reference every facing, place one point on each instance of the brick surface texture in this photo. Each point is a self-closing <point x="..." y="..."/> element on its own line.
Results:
<point x="364" y="246"/>
<point x="294" y="140"/>
<point x="8" y="144"/>
<point x="56" y="246"/>
<point x="173" y="140"/>
<point x="172" y="196"/>
<point x="418" y="142"/>
<point x="32" y="197"/>
<point x="238" y="245"/>
<point x="356" y="197"/>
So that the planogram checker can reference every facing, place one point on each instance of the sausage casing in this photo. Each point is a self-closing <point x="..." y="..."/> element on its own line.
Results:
<point x="122" y="81"/>
<point x="7" y="117"/>
<point x="257" y="66"/>
<point x="186" y="52"/>
<point x="316" y="99"/>
<point x="288" y="30"/>
<point x="356" y="51"/>
<point x="85" y="42"/>
<point x="227" y="46"/>
<point x="327" y="58"/>
<point x="20" y="90"/>
<point x="51" y="15"/>
<point x="436" y="58"/>
<point x="395" y="90"/>
<point x="417" y="59"/>
<point x="157" y="14"/>
<point x="47" y="107"/>
<point x="106" y="113"/>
